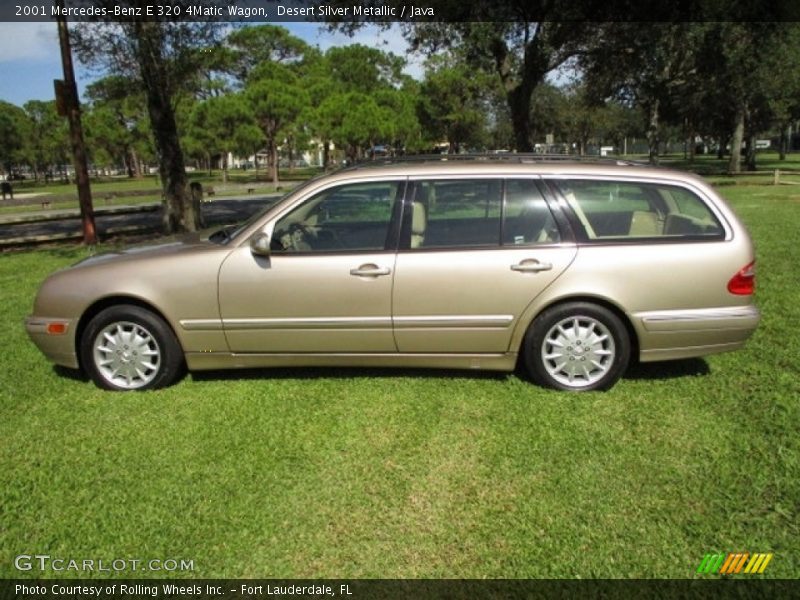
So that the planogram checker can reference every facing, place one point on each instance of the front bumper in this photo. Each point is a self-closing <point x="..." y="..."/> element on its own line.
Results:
<point x="57" y="347"/>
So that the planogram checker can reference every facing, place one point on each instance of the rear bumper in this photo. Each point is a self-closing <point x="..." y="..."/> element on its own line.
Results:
<point x="671" y="334"/>
<point x="58" y="348"/>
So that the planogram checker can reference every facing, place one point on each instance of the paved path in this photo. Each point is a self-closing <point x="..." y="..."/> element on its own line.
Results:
<point x="65" y="224"/>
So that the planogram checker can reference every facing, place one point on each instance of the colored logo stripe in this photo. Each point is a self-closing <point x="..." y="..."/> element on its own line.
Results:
<point x="711" y="563"/>
<point x="734" y="562"/>
<point x="758" y="563"/>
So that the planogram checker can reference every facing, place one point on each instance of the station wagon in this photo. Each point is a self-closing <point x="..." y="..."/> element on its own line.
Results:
<point x="566" y="270"/>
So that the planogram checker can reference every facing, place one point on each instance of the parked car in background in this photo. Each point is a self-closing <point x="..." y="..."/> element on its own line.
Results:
<point x="567" y="269"/>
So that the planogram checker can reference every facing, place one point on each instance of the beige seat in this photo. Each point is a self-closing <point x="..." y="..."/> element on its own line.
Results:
<point x="644" y="224"/>
<point x="679" y="225"/>
<point x="419" y="222"/>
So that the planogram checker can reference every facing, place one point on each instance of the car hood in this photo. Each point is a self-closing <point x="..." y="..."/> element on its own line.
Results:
<point x="171" y="245"/>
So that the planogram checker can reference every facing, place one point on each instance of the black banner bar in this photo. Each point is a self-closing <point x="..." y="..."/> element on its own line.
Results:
<point x="409" y="11"/>
<point x="417" y="589"/>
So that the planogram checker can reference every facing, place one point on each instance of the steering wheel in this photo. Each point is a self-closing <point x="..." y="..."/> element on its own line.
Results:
<point x="295" y="237"/>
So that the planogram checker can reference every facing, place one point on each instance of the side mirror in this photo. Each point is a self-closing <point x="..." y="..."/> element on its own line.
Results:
<point x="260" y="245"/>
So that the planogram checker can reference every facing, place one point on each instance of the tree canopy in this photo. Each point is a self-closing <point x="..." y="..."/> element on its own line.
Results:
<point x="205" y="91"/>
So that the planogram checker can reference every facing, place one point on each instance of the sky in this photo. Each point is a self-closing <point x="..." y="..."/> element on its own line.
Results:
<point x="30" y="58"/>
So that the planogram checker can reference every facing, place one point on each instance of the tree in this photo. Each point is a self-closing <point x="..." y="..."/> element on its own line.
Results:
<point x="363" y="122"/>
<point x="349" y="75"/>
<point x="549" y="114"/>
<point x="224" y="124"/>
<point x="117" y="122"/>
<point x="752" y="68"/>
<point x="783" y="88"/>
<point x="451" y="105"/>
<point x="320" y="85"/>
<point x="253" y="46"/>
<point x="515" y="51"/>
<point x="47" y="138"/>
<point x="647" y="64"/>
<point x="405" y="134"/>
<point x="360" y="68"/>
<point x="14" y="131"/>
<point x="165" y="58"/>
<point x="276" y="99"/>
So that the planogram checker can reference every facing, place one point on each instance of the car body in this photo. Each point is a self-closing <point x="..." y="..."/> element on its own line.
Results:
<point x="570" y="268"/>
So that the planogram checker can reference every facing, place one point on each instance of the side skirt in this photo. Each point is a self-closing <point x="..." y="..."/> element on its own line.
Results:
<point x="199" y="361"/>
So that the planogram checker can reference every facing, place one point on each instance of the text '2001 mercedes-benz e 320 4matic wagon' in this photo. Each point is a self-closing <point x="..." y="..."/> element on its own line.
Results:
<point x="567" y="268"/>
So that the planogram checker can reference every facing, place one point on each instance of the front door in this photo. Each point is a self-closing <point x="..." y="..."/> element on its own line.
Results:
<point x="327" y="285"/>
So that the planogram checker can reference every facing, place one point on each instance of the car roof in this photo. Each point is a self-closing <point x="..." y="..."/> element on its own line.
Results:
<point x="509" y="164"/>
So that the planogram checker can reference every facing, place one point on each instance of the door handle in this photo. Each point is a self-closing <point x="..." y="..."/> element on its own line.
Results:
<point x="370" y="270"/>
<point x="531" y="265"/>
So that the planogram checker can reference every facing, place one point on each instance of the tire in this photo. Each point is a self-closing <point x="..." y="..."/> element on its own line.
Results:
<point x="127" y="348"/>
<point x="555" y="350"/>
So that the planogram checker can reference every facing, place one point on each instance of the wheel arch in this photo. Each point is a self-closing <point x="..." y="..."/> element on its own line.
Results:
<point x="633" y="336"/>
<point x="117" y="300"/>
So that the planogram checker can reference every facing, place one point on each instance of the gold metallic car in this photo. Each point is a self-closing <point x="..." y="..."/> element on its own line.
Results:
<point x="566" y="268"/>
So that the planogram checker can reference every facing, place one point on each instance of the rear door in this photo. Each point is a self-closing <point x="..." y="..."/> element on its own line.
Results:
<point x="474" y="253"/>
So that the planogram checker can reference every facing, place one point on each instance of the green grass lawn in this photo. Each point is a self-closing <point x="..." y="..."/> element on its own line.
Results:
<point x="356" y="473"/>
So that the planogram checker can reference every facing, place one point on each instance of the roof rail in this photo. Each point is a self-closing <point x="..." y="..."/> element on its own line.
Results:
<point x="515" y="157"/>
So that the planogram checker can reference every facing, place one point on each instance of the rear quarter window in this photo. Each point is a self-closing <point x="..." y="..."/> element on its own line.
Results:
<point x="611" y="210"/>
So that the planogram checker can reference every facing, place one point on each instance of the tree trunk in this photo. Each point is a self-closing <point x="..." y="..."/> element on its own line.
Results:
<point x="652" y="132"/>
<point x="126" y="159"/>
<point x="750" y="154"/>
<point x="180" y="212"/>
<point x="786" y="134"/>
<point x="326" y="154"/>
<point x="735" y="162"/>
<point x="519" y="103"/>
<point x="273" y="159"/>
<point x="137" y="168"/>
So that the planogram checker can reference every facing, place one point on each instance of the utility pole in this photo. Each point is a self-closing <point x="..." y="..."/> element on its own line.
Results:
<point x="69" y="106"/>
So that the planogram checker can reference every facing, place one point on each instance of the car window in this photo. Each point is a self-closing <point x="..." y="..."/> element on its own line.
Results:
<point x="448" y="213"/>
<point x="611" y="209"/>
<point x="526" y="216"/>
<point x="353" y="217"/>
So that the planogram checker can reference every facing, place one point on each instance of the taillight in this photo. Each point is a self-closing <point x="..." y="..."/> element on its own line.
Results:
<point x="744" y="282"/>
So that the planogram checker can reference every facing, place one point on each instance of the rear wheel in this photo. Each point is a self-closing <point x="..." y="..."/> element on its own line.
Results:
<point x="130" y="348"/>
<point x="577" y="346"/>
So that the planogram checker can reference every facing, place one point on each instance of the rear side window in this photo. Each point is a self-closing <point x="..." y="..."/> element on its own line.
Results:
<point x="614" y="210"/>
<point x="451" y="213"/>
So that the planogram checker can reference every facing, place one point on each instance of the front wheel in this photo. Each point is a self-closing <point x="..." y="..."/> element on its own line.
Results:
<point x="577" y="346"/>
<point x="129" y="348"/>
